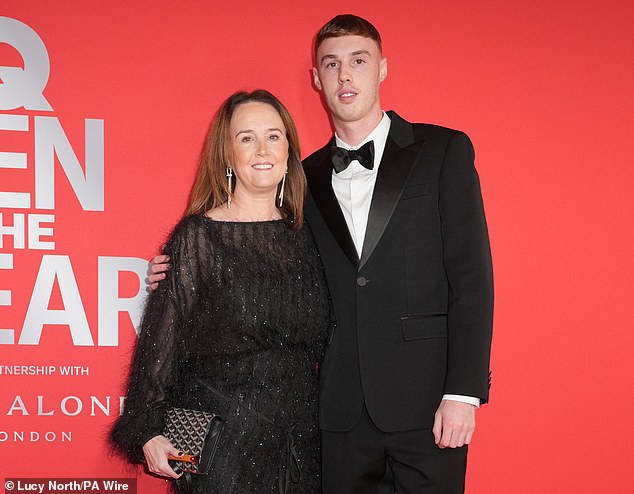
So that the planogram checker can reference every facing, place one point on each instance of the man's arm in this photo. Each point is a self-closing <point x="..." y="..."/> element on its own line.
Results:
<point x="467" y="262"/>
<point x="468" y="267"/>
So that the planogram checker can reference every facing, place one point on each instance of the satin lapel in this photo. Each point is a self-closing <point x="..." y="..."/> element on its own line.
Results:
<point x="399" y="156"/>
<point x="320" y="183"/>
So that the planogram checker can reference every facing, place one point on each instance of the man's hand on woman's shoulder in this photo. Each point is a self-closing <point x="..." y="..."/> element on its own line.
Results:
<point x="157" y="269"/>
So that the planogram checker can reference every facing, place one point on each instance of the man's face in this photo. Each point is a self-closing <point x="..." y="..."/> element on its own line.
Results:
<point x="349" y="71"/>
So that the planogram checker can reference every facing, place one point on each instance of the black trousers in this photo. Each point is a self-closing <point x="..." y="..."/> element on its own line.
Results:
<point x="366" y="460"/>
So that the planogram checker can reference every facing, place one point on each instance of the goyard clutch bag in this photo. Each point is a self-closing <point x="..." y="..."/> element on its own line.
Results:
<point x="196" y="433"/>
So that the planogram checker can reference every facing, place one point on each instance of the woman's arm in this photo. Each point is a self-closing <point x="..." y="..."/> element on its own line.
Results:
<point x="158" y="357"/>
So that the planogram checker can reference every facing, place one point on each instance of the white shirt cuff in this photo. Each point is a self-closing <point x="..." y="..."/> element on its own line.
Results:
<point x="464" y="399"/>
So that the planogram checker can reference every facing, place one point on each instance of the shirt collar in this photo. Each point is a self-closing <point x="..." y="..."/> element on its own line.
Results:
<point x="378" y="135"/>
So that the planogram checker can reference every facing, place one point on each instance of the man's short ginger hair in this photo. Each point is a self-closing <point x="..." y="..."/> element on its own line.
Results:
<point x="347" y="25"/>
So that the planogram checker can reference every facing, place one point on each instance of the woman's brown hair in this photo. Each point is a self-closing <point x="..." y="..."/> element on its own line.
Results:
<point x="211" y="188"/>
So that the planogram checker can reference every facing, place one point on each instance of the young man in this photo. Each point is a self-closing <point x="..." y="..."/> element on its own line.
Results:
<point x="400" y="226"/>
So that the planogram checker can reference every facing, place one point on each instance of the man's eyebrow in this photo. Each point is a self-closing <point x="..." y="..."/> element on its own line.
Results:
<point x="353" y="54"/>
<point x="328" y="57"/>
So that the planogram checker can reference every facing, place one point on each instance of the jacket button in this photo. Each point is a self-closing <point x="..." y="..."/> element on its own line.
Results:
<point x="362" y="281"/>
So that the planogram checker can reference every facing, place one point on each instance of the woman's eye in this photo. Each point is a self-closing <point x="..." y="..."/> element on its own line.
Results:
<point x="246" y="139"/>
<point x="274" y="137"/>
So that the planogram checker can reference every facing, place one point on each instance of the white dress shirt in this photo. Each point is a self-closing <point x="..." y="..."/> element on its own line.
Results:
<point x="353" y="188"/>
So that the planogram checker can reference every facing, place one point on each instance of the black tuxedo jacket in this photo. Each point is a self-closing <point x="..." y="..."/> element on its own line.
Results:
<point x="414" y="314"/>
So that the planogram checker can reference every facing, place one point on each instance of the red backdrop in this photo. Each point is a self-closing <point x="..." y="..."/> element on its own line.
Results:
<point x="542" y="88"/>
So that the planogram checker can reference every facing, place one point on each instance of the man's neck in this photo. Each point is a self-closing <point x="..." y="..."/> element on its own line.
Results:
<point x="353" y="133"/>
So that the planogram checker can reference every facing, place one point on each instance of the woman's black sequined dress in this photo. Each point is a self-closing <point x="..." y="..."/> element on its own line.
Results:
<point x="237" y="328"/>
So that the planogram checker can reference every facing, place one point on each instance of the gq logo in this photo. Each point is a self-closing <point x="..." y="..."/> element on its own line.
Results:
<point x="33" y="230"/>
<point x="24" y="87"/>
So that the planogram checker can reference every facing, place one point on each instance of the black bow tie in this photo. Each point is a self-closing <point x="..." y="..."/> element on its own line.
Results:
<point x="341" y="158"/>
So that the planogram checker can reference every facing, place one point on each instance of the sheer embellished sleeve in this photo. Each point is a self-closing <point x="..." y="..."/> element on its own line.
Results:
<point x="159" y="351"/>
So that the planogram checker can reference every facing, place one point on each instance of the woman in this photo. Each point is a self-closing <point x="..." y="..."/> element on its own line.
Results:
<point x="241" y="322"/>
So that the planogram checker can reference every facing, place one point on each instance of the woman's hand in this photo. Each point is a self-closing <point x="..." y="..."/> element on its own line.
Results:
<point x="156" y="451"/>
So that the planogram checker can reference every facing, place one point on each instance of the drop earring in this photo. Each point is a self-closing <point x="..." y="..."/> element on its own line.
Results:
<point x="281" y="194"/>
<point x="229" y="175"/>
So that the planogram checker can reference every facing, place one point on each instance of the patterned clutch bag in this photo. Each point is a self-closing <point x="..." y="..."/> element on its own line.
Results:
<point x="195" y="433"/>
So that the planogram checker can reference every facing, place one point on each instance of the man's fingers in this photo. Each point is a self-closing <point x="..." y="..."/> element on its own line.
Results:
<point x="468" y="435"/>
<point x="456" y="435"/>
<point x="159" y="268"/>
<point x="160" y="259"/>
<point x="454" y="424"/>
<point x="159" y="264"/>
<point x="156" y="277"/>
<point x="445" y="439"/>
<point x="437" y="429"/>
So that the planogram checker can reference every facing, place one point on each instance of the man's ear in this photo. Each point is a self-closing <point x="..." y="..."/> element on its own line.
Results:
<point x="383" y="69"/>
<point x="316" y="80"/>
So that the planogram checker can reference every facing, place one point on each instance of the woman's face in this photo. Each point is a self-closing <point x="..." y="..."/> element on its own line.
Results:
<point x="260" y="149"/>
